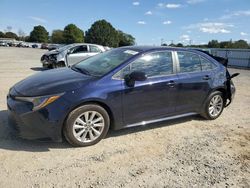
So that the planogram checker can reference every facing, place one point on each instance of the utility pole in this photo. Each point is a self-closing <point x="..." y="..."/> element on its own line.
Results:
<point x="162" y="40"/>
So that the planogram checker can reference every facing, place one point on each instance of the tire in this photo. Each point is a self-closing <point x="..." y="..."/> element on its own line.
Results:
<point x="58" y="64"/>
<point x="78" y="127"/>
<point x="214" y="105"/>
<point x="45" y="66"/>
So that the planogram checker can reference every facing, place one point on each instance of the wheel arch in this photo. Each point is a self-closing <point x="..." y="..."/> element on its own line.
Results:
<point x="96" y="102"/>
<point x="223" y="91"/>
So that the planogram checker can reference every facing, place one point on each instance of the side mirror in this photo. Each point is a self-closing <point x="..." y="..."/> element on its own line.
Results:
<point x="234" y="75"/>
<point x="68" y="52"/>
<point x="134" y="76"/>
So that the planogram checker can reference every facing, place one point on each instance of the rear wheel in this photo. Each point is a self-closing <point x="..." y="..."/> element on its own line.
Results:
<point x="214" y="106"/>
<point x="86" y="125"/>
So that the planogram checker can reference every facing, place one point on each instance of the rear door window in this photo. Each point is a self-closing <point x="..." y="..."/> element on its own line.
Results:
<point x="94" y="49"/>
<point x="189" y="62"/>
<point x="206" y="65"/>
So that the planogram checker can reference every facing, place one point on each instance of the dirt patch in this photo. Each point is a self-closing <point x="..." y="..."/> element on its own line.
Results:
<point x="189" y="152"/>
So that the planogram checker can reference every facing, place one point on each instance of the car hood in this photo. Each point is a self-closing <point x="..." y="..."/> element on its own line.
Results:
<point x="51" y="52"/>
<point x="51" y="82"/>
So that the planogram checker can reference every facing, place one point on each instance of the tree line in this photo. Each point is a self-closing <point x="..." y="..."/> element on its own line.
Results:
<point x="101" y="32"/>
<point x="242" y="44"/>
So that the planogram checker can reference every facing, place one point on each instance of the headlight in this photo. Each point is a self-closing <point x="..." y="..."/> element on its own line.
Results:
<point x="40" y="102"/>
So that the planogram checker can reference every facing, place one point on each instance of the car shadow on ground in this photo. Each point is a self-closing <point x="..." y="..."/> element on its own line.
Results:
<point x="39" y="68"/>
<point x="10" y="141"/>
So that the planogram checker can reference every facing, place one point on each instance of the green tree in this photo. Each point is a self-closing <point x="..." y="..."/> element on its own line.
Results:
<point x="39" y="34"/>
<point x="226" y="44"/>
<point x="72" y="34"/>
<point x="57" y="37"/>
<point x="2" y="35"/>
<point x="11" y="35"/>
<point x="125" y="39"/>
<point x="240" y="44"/>
<point x="179" y="45"/>
<point x="103" y="33"/>
<point x="213" y="44"/>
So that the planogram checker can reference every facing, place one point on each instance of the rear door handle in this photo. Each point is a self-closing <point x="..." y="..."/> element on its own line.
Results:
<point x="171" y="83"/>
<point x="206" y="77"/>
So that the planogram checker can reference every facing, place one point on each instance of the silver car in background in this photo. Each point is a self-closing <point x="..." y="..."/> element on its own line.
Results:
<point x="70" y="54"/>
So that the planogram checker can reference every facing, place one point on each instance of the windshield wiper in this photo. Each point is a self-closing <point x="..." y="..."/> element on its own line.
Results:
<point x="81" y="70"/>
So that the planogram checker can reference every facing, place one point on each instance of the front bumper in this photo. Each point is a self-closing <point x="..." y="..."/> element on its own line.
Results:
<point x="231" y="93"/>
<point x="47" y="60"/>
<point x="29" y="124"/>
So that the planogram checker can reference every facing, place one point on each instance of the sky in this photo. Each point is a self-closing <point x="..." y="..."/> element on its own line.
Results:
<point x="151" y="22"/>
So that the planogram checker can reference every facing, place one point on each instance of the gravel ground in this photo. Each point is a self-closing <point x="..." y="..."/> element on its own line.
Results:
<point x="189" y="152"/>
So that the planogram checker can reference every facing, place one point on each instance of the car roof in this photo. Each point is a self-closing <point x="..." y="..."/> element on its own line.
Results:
<point x="155" y="48"/>
<point x="78" y="44"/>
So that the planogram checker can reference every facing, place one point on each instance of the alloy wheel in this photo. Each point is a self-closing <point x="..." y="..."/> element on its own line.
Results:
<point x="88" y="126"/>
<point x="215" y="106"/>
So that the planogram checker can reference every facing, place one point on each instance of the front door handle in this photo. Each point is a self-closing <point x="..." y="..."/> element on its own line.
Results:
<point x="206" y="77"/>
<point x="171" y="83"/>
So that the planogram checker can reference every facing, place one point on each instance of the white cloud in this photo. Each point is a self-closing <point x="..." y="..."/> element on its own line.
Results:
<point x="185" y="38"/>
<point x="173" y="5"/>
<point x="243" y="34"/>
<point x="167" y="22"/>
<point x="148" y="13"/>
<point x="141" y="22"/>
<point x="38" y="19"/>
<point x="169" y="5"/>
<point x="160" y="4"/>
<point x="195" y="1"/>
<point x="235" y="14"/>
<point x="213" y="30"/>
<point x="136" y="3"/>
<point x="211" y="27"/>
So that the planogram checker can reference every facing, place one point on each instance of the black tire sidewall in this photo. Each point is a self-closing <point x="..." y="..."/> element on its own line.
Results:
<point x="68" y="127"/>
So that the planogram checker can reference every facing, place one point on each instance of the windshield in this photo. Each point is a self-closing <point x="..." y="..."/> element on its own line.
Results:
<point x="103" y="63"/>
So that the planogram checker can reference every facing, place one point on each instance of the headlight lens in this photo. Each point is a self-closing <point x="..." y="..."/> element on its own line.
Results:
<point x="40" y="102"/>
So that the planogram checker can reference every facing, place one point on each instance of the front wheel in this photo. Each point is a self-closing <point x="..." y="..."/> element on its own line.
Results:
<point x="86" y="125"/>
<point x="58" y="64"/>
<point x="214" y="105"/>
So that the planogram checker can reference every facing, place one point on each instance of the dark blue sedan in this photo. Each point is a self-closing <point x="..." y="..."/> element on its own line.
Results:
<point x="121" y="88"/>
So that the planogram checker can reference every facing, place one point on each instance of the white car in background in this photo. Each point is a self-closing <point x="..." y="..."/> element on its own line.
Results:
<point x="70" y="54"/>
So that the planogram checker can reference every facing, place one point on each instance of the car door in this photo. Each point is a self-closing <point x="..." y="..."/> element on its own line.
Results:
<point x="193" y="84"/>
<point x="155" y="97"/>
<point x="77" y="54"/>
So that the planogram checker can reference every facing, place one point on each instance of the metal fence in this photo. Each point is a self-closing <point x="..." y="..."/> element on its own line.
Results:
<point x="236" y="57"/>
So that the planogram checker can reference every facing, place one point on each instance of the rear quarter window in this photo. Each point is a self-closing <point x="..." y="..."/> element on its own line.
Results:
<point x="206" y="65"/>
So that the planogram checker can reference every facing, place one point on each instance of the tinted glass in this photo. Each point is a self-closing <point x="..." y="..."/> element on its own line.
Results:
<point x="154" y="64"/>
<point x="104" y="62"/>
<point x="189" y="62"/>
<point x="206" y="65"/>
<point x="79" y="49"/>
<point x="94" y="49"/>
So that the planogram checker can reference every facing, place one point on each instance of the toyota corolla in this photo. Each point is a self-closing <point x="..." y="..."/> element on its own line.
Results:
<point x="120" y="88"/>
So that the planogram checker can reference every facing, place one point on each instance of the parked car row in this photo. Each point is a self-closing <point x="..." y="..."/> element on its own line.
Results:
<point x="70" y="54"/>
